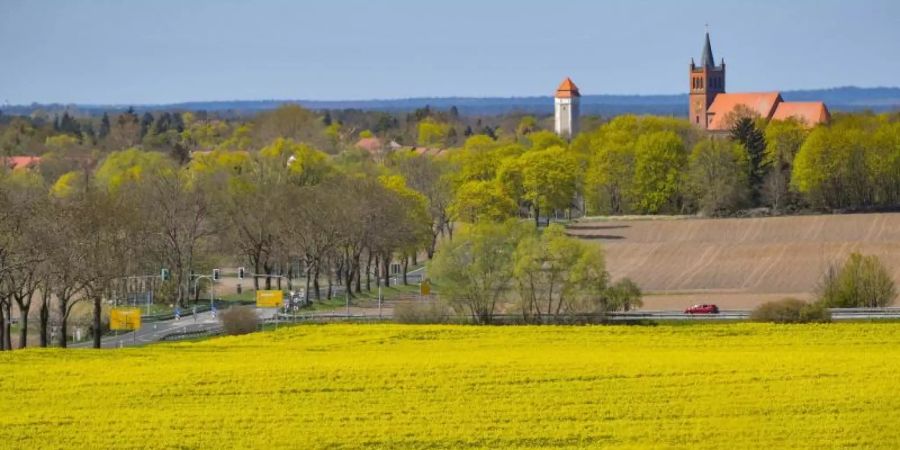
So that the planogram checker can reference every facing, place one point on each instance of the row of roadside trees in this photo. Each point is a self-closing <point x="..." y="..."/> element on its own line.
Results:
<point x="76" y="240"/>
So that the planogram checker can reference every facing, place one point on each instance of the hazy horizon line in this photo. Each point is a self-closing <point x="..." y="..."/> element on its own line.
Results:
<point x="388" y="99"/>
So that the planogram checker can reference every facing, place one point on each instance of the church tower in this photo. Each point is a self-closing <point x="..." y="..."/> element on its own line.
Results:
<point x="707" y="80"/>
<point x="567" y="108"/>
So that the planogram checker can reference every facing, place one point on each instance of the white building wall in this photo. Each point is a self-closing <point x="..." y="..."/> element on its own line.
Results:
<point x="567" y="112"/>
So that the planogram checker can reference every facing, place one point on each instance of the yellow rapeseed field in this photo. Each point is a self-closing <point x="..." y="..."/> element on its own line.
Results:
<point x="376" y="386"/>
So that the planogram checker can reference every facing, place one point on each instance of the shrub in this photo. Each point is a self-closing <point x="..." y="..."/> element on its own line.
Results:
<point x="863" y="281"/>
<point x="239" y="320"/>
<point x="791" y="310"/>
<point x="421" y="312"/>
<point x="816" y="312"/>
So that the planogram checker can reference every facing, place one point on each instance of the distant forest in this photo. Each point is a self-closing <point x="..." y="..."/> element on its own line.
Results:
<point x="838" y="99"/>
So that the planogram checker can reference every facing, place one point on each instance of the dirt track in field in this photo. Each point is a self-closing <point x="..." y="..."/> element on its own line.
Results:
<point x="738" y="263"/>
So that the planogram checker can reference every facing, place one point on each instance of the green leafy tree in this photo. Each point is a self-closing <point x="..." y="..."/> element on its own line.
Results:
<point x="548" y="273"/>
<point x="717" y="175"/>
<point x="129" y="165"/>
<point x="863" y="281"/>
<point x="610" y="177"/>
<point x="541" y="140"/>
<point x="623" y="295"/>
<point x="474" y="270"/>
<point x="527" y="124"/>
<point x="481" y="200"/>
<point x="432" y="133"/>
<point x="830" y="168"/>
<point x="549" y="179"/>
<point x="659" y="164"/>
<point x="783" y="141"/>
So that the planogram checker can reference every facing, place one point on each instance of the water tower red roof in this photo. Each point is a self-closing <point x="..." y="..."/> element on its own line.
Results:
<point x="567" y="89"/>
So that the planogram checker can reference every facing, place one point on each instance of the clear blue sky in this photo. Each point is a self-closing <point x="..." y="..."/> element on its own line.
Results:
<point x="160" y="51"/>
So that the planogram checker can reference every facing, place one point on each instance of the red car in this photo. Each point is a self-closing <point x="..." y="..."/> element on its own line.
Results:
<point x="702" y="309"/>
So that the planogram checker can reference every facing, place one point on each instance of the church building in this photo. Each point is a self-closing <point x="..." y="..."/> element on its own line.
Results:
<point x="711" y="108"/>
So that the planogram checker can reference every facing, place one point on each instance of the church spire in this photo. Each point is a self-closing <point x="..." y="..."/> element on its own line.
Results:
<point x="707" y="60"/>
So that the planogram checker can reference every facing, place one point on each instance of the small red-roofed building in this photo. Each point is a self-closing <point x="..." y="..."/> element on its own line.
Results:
<point x="370" y="144"/>
<point x="20" y="162"/>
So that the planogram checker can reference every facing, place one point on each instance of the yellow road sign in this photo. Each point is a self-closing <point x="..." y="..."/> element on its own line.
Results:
<point x="124" y="319"/>
<point x="269" y="299"/>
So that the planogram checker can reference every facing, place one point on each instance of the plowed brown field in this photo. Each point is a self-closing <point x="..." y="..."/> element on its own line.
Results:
<point x="738" y="263"/>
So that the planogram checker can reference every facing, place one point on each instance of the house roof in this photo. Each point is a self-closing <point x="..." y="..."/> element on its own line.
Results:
<point x="810" y="113"/>
<point x="567" y="89"/>
<point x="369" y="144"/>
<point x="21" y="161"/>
<point x="761" y="103"/>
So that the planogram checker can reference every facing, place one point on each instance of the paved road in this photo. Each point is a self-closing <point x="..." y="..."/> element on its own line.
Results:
<point x="155" y="331"/>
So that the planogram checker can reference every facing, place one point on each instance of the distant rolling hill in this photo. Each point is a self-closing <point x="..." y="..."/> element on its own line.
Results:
<point x="837" y="99"/>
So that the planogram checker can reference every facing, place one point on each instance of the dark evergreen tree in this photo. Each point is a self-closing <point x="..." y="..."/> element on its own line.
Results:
<point x="129" y="117"/>
<point x="104" y="126"/>
<point x="69" y="125"/>
<point x="163" y="123"/>
<point x="423" y="113"/>
<point x="451" y="136"/>
<point x="146" y="122"/>
<point x="384" y="123"/>
<point x="468" y="131"/>
<point x="745" y="132"/>
<point x="454" y="112"/>
<point x="177" y="122"/>
<point x="327" y="119"/>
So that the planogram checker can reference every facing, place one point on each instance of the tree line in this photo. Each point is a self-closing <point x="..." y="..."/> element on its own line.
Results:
<point x="78" y="239"/>
<point x="288" y="190"/>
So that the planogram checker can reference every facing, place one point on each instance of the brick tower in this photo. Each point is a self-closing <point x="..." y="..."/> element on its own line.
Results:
<point x="707" y="80"/>
<point x="567" y="108"/>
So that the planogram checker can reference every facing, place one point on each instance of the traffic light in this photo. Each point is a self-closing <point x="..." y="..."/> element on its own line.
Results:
<point x="215" y="274"/>
<point x="240" y="273"/>
<point x="164" y="274"/>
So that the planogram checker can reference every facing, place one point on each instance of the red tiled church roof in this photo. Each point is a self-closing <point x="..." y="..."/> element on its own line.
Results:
<point x="761" y="103"/>
<point x="567" y="89"/>
<point x="810" y="113"/>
